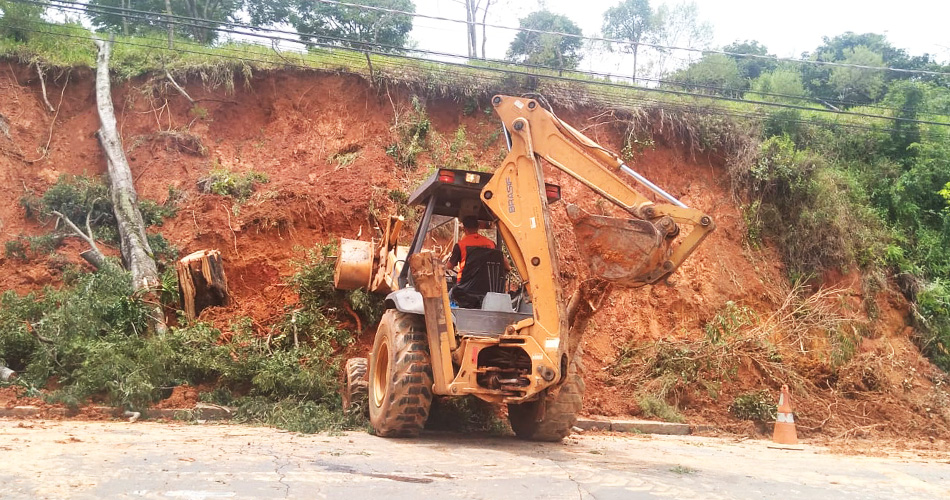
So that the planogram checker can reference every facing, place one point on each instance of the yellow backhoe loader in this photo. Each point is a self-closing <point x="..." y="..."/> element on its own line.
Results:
<point x="514" y="339"/>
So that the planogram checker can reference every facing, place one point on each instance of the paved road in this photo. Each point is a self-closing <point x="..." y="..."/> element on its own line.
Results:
<point x="148" y="460"/>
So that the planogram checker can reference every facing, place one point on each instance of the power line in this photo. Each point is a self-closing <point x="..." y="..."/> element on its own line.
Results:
<point x="136" y="14"/>
<point x="571" y="35"/>
<point x="215" y="25"/>
<point x="589" y="84"/>
<point x="605" y="98"/>
<point x="643" y="44"/>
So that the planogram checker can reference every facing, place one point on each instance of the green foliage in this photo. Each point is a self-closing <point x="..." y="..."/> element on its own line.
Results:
<point x="819" y="215"/>
<point x="76" y="197"/>
<point x="713" y="70"/>
<point x="933" y="317"/>
<point x="785" y="80"/>
<point x="411" y="131"/>
<point x="728" y="322"/>
<point x="29" y="247"/>
<point x="541" y="49"/>
<point x="76" y="334"/>
<point x="634" y="21"/>
<point x="79" y="197"/>
<point x="15" y="17"/>
<point x="321" y="302"/>
<point x="227" y="183"/>
<point x="154" y="214"/>
<point x="295" y="415"/>
<point x="342" y="25"/>
<point x="90" y="336"/>
<point x="162" y="250"/>
<point x="211" y="13"/>
<point x="756" y="406"/>
<point x="858" y="84"/>
<point x="656" y="407"/>
<point x="751" y="68"/>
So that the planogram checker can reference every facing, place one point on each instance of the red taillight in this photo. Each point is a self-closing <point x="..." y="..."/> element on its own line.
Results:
<point x="447" y="176"/>
<point x="552" y="192"/>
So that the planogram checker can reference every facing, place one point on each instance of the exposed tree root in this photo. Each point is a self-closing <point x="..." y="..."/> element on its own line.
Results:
<point x="39" y="71"/>
<point x="49" y="139"/>
<point x="178" y="87"/>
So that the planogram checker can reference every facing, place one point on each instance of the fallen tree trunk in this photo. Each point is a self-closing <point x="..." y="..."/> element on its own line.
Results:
<point x="136" y="252"/>
<point x="201" y="282"/>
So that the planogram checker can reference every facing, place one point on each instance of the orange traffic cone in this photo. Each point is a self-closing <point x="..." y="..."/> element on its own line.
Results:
<point x="785" y="432"/>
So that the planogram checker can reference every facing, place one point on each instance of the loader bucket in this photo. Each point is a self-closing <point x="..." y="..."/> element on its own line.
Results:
<point x="354" y="265"/>
<point x="626" y="252"/>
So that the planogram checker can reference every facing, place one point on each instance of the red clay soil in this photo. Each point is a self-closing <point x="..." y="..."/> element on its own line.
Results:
<point x="291" y="125"/>
<point x="182" y="396"/>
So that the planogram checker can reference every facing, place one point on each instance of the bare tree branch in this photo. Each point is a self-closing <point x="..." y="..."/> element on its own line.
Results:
<point x="178" y="87"/>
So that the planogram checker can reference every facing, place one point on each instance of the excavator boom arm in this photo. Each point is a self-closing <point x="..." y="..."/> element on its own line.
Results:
<point x="628" y="252"/>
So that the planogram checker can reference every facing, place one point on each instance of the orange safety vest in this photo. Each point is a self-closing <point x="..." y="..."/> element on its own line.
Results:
<point x="471" y="240"/>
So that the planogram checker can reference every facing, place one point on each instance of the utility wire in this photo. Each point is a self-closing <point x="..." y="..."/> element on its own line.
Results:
<point x="302" y="38"/>
<point x="139" y="15"/>
<point x="642" y="44"/>
<point x="606" y="40"/>
<point x="609" y="99"/>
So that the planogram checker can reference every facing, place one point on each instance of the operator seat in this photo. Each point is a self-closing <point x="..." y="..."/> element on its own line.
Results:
<point x="484" y="272"/>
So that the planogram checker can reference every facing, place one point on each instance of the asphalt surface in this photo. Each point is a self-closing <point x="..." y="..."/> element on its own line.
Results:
<point x="146" y="460"/>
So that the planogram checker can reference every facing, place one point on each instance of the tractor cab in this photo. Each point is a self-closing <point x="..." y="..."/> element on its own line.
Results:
<point x="488" y="296"/>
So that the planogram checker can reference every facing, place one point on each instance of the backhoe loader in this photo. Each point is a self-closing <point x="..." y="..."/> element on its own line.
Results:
<point x="519" y="344"/>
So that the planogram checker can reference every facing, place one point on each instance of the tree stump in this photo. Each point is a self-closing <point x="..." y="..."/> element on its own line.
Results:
<point x="201" y="282"/>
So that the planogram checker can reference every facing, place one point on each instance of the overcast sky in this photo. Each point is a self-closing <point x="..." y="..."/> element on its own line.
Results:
<point x="787" y="28"/>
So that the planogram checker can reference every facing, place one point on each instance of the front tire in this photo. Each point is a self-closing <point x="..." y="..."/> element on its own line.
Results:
<point x="552" y="416"/>
<point x="356" y="387"/>
<point x="400" y="376"/>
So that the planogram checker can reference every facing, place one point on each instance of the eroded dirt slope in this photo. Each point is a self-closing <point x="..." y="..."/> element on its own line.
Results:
<point x="322" y="140"/>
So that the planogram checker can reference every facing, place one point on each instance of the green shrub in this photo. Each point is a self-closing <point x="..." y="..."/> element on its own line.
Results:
<point x="757" y="406"/>
<point x="656" y="407"/>
<point x="226" y="183"/>
<point x="933" y="319"/>
<point x="29" y="247"/>
<point x="820" y="215"/>
<point x="411" y="130"/>
<point x="728" y="321"/>
<point x="90" y="335"/>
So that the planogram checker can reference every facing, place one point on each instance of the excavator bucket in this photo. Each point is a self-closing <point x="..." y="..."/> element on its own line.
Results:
<point x="626" y="252"/>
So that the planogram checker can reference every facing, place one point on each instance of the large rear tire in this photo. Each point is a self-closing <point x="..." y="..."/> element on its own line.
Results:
<point x="356" y="387"/>
<point x="400" y="376"/>
<point x="552" y="416"/>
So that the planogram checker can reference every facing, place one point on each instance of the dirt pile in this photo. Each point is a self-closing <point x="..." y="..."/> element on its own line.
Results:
<point x="322" y="141"/>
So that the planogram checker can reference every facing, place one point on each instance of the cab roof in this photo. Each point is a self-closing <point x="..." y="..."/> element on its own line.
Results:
<point x="449" y="188"/>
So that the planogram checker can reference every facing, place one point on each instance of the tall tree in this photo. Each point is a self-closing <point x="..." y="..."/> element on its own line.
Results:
<point x="858" y="84"/>
<point x="206" y="15"/>
<point x="547" y="49"/>
<point x="679" y="26"/>
<point x="136" y="252"/>
<point x="853" y="48"/>
<point x="341" y="25"/>
<point x="633" y="21"/>
<point x="472" y="10"/>
<point x="17" y="18"/>
<point x="713" y="74"/>
<point x="751" y="68"/>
